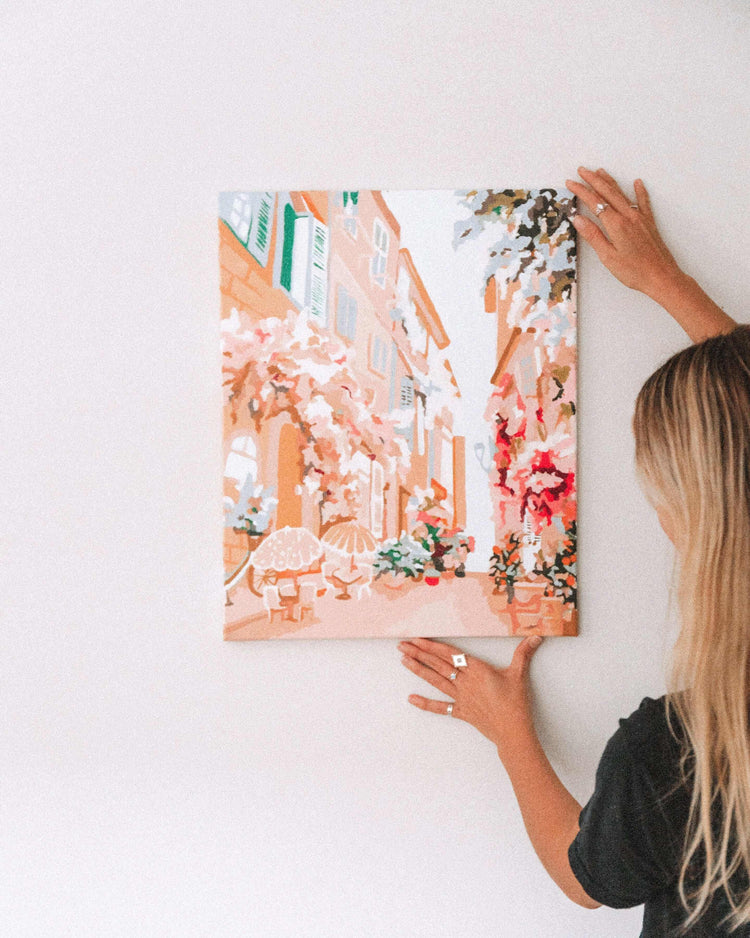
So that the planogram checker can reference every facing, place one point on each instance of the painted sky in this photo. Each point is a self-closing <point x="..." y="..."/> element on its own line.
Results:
<point x="454" y="280"/>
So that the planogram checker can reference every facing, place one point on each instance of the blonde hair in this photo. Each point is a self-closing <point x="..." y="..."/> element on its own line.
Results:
<point x="692" y="455"/>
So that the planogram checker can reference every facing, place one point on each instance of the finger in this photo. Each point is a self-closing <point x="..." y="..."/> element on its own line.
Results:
<point x="644" y="202"/>
<point x="592" y="202"/>
<point x="610" y="193"/>
<point x="427" y="674"/>
<point x="594" y="235"/>
<point x="432" y="661"/>
<point x="624" y="203"/>
<point x="524" y="652"/>
<point x="434" y="706"/>
<point x="441" y="649"/>
<point x="586" y="195"/>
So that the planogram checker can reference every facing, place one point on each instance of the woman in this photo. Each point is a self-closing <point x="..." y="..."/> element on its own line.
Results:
<point x="668" y="822"/>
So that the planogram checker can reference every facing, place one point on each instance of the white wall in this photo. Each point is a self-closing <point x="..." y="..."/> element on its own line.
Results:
<point x="156" y="781"/>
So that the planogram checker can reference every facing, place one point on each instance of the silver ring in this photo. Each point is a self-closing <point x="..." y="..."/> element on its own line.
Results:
<point x="459" y="661"/>
<point x="636" y="207"/>
<point x="600" y="206"/>
<point x="454" y="675"/>
<point x="449" y="710"/>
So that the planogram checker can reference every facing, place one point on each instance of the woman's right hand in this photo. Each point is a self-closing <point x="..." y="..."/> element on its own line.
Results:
<point x="628" y="244"/>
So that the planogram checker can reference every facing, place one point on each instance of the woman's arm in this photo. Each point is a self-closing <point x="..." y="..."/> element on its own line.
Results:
<point x="497" y="702"/>
<point x="630" y="246"/>
<point x="550" y="813"/>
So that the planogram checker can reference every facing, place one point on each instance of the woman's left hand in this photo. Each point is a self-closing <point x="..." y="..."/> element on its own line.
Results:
<point x="497" y="701"/>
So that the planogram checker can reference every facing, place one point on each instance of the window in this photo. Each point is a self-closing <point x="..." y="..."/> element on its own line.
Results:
<point x="528" y="376"/>
<point x="420" y="426"/>
<point x="380" y="242"/>
<point x="407" y="391"/>
<point x="346" y="315"/>
<point x="378" y="354"/>
<point x="446" y="462"/>
<point x="377" y="502"/>
<point x="242" y="461"/>
<point x="350" y="200"/>
<point x="304" y="261"/>
<point x="249" y="215"/>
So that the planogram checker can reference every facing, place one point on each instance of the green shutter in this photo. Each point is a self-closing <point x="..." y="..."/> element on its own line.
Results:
<point x="290" y="216"/>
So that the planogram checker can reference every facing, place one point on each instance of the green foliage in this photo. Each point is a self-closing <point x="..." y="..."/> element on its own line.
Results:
<point x="505" y="564"/>
<point x="561" y="572"/>
<point x="401" y="555"/>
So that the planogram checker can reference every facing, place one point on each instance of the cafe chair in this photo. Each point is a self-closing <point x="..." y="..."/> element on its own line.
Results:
<point x="272" y="601"/>
<point x="307" y="594"/>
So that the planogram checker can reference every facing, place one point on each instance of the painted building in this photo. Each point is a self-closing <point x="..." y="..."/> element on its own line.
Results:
<point x="335" y="259"/>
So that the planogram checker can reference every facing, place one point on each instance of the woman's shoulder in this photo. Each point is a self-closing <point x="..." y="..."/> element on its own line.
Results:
<point x="652" y="735"/>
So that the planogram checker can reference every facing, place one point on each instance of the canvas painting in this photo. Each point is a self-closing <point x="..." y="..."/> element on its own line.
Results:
<point x="399" y="413"/>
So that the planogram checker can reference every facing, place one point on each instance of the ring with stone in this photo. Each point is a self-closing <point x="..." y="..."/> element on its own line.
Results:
<point x="459" y="661"/>
<point x="600" y="207"/>
<point x="449" y="710"/>
<point x="454" y="675"/>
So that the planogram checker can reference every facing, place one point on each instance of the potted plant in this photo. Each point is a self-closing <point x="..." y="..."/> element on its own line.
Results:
<point x="399" y="561"/>
<point x="432" y="573"/>
<point x="252" y="514"/>
<point x="447" y="547"/>
<point x="505" y="564"/>
<point x="560" y="575"/>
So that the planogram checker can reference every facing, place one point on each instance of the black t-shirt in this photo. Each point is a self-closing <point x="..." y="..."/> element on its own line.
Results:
<point x="628" y="849"/>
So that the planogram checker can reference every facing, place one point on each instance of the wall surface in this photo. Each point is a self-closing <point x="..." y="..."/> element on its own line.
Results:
<point x="155" y="780"/>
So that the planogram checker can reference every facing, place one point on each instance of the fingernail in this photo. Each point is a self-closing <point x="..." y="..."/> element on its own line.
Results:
<point x="535" y="641"/>
<point x="577" y="221"/>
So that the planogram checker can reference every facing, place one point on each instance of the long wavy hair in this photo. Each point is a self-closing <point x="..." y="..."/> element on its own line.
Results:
<point x="692" y="458"/>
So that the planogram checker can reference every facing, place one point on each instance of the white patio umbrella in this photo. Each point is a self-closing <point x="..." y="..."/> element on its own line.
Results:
<point x="351" y="539"/>
<point x="288" y="551"/>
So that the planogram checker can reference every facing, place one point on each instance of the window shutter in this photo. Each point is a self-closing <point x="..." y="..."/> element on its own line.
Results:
<point x="319" y="271"/>
<point x="301" y="259"/>
<point x="380" y="240"/>
<point x="407" y="392"/>
<point x="341" y="312"/>
<point x="290" y="217"/>
<point x="377" y="501"/>
<point x="352" y="321"/>
<point x="260" y="230"/>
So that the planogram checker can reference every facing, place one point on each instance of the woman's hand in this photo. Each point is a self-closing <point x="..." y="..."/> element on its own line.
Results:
<point x="630" y="246"/>
<point x="628" y="243"/>
<point x="497" y="701"/>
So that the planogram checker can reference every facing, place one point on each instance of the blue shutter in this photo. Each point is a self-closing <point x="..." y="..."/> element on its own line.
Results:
<point x="352" y="323"/>
<point x="341" y="312"/>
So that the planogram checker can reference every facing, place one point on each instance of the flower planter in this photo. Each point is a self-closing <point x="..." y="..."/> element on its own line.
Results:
<point x="570" y="622"/>
<point x="394" y="580"/>
<point x="431" y="580"/>
<point x="552" y="614"/>
<point x="526" y="592"/>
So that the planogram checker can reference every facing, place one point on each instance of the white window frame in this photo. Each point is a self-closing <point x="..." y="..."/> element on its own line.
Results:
<point x="380" y="242"/>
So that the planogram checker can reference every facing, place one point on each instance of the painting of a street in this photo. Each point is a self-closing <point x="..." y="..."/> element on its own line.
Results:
<point x="399" y="413"/>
